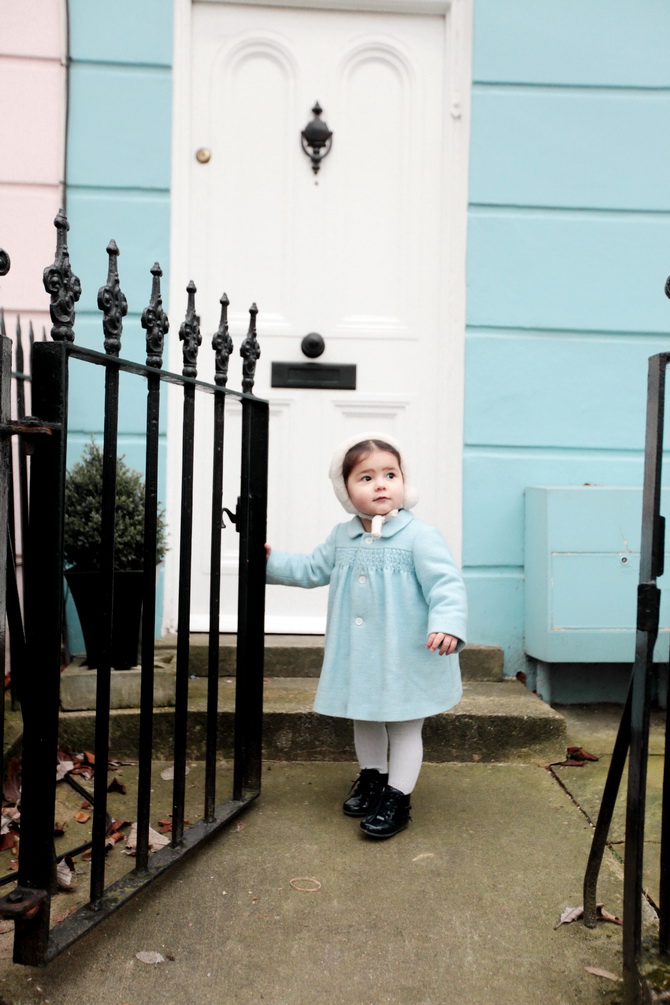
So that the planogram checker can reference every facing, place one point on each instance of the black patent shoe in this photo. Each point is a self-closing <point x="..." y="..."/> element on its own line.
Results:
<point x="390" y="816"/>
<point x="365" y="793"/>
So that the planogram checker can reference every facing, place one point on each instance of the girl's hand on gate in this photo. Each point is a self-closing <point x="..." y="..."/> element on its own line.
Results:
<point x="268" y="551"/>
<point x="445" y="643"/>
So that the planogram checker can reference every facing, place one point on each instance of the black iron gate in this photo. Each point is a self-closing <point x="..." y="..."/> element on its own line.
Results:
<point x="45" y="435"/>
<point x="632" y="740"/>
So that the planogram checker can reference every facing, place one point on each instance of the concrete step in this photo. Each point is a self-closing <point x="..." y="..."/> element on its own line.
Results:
<point x="302" y="655"/>
<point x="494" y="722"/>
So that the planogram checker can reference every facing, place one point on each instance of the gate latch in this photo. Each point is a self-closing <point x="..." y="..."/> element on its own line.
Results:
<point x="21" y="903"/>
<point x="648" y="605"/>
<point x="233" y="516"/>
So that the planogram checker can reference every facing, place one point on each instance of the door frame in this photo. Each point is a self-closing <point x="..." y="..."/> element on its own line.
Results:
<point x="457" y="16"/>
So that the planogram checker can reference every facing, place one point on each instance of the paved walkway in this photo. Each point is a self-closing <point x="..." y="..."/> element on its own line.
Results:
<point x="459" y="909"/>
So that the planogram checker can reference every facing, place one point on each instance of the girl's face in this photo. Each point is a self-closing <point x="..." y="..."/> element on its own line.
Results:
<point x="376" y="485"/>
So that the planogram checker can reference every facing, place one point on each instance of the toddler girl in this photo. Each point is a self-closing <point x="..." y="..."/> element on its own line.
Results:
<point x="396" y="602"/>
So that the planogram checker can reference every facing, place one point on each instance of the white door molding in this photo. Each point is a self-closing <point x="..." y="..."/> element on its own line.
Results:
<point x="375" y="6"/>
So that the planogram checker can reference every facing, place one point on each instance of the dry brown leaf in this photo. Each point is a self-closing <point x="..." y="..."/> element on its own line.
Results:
<point x="579" y="754"/>
<point x="574" y="913"/>
<point x="599" y="972"/>
<point x="82" y="817"/>
<point x="150" y="957"/>
<point x="62" y="915"/>
<point x="112" y="839"/>
<point x="116" y="825"/>
<point x="604" y="915"/>
<point x="10" y="815"/>
<point x="156" y="840"/>
<point x="62" y="769"/>
<point x="167" y="774"/>
<point x="7" y="842"/>
<point x="65" y="874"/>
<point x="568" y="915"/>
<point x="116" y="786"/>
<point x="11" y="790"/>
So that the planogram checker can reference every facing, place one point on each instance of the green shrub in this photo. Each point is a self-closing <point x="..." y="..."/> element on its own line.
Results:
<point x="83" y="516"/>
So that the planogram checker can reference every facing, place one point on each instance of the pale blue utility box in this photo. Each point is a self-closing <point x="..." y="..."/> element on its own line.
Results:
<point x="582" y="561"/>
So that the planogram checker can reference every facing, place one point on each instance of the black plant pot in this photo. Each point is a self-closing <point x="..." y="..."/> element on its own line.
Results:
<point x="85" y="588"/>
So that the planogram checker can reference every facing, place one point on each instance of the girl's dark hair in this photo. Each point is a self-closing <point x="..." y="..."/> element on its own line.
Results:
<point x="360" y="450"/>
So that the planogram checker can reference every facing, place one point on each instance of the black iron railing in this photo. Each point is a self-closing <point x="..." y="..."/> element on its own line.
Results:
<point x="46" y="433"/>
<point x="632" y="742"/>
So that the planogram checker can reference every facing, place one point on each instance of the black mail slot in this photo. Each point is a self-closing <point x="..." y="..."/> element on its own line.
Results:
<point x="340" y="376"/>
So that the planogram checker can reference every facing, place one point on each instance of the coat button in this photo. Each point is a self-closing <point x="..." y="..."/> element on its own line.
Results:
<point x="362" y="579"/>
<point x="359" y="621"/>
<point x="368" y="540"/>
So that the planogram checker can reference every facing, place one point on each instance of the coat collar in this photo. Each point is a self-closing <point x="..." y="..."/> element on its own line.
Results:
<point x="398" y="523"/>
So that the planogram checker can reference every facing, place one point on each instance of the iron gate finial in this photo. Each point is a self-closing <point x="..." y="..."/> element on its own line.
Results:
<point x="62" y="285"/>
<point x="113" y="304"/>
<point x="189" y="334"/>
<point x="155" y="321"/>
<point x="250" y="352"/>
<point x="222" y="344"/>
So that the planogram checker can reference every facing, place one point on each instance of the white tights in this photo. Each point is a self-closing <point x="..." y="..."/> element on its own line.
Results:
<point x="393" y="746"/>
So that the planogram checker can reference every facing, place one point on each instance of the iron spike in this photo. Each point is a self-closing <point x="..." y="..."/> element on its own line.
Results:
<point x="189" y="334"/>
<point x="155" y="321"/>
<point x="113" y="304"/>
<point x="250" y="352"/>
<point x="62" y="285"/>
<point x="222" y="344"/>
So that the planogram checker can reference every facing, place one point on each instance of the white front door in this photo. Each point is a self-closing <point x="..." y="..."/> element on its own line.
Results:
<point x="356" y="253"/>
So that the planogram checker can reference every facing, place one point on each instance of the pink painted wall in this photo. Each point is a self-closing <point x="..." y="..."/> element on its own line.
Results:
<point x="33" y="86"/>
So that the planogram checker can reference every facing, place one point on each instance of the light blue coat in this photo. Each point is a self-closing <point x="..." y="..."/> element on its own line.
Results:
<point x="386" y="596"/>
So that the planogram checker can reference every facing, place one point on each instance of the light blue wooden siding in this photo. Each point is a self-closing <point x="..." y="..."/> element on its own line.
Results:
<point x="119" y="126"/>
<point x="568" y="252"/>
<point x="127" y="31"/>
<point x="118" y="186"/>
<point x="556" y="269"/>
<point x="139" y="222"/>
<point x="571" y="147"/>
<point x="576" y="389"/>
<point x="118" y="149"/>
<point x="610" y="43"/>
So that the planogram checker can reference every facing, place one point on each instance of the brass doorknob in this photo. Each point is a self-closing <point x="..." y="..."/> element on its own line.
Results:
<point x="203" y="155"/>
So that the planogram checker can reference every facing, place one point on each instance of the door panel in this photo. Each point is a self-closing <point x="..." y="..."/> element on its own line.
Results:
<point x="352" y="252"/>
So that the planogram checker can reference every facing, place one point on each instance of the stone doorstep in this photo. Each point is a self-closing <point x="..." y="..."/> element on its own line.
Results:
<point x="78" y="686"/>
<point x="302" y="655"/>
<point x="289" y="657"/>
<point x="494" y="722"/>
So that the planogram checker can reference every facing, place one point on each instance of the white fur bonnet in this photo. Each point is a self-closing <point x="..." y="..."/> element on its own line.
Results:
<point x="411" y="497"/>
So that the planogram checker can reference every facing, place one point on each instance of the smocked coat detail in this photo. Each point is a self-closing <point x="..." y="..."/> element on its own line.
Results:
<point x="386" y="596"/>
